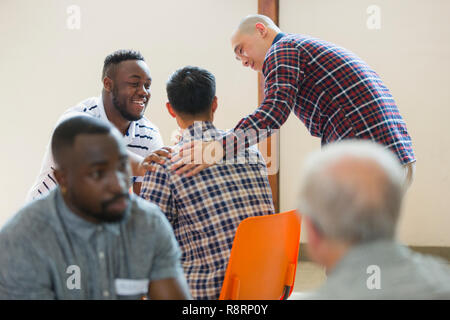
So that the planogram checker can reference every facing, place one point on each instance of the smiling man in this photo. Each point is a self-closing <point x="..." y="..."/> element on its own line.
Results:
<point x="89" y="238"/>
<point x="124" y="99"/>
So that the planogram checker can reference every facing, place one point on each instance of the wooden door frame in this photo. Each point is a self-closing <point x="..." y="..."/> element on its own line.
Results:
<point x="270" y="8"/>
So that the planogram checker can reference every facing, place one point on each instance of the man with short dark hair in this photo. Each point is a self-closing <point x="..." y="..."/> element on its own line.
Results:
<point x="205" y="210"/>
<point x="125" y="95"/>
<point x="89" y="238"/>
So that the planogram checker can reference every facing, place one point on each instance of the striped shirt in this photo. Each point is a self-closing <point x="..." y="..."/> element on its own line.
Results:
<point x="331" y="90"/>
<point x="206" y="209"/>
<point x="141" y="138"/>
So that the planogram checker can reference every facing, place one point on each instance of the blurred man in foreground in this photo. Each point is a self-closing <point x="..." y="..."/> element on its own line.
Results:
<point x="89" y="238"/>
<point x="350" y="198"/>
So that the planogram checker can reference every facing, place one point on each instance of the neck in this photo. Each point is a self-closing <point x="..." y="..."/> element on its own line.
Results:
<point x="185" y="123"/>
<point x="335" y="253"/>
<point x="113" y="114"/>
<point x="74" y="210"/>
<point x="271" y="35"/>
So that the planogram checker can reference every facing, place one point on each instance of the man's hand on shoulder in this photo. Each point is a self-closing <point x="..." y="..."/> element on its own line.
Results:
<point x="196" y="156"/>
<point x="158" y="156"/>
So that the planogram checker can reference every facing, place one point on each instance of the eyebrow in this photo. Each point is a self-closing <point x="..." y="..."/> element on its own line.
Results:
<point x="138" y="77"/>
<point x="98" y="163"/>
<point x="102" y="162"/>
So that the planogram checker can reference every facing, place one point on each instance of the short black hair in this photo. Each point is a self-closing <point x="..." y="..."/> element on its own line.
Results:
<point x="191" y="90"/>
<point x="117" y="57"/>
<point x="66" y="132"/>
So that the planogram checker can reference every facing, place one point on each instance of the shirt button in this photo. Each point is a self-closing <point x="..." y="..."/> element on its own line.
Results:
<point x="101" y="255"/>
<point x="106" y="293"/>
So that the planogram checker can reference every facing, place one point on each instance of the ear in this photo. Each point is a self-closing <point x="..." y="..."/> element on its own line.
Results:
<point x="108" y="84"/>
<point x="314" y="237"/>
<point x="261" y="29"/>
<point x="214" y="105"/>
<point x="170" y="110"/>
<point x="61" y="177"/>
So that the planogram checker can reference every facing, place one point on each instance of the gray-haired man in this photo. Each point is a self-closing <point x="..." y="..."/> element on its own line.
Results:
<point x="350" y="198"/>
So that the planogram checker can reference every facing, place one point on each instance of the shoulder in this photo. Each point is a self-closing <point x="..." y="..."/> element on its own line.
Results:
<point x="145" y="215"/>
<point x="145" y="125"/>
<point x="87" y="107"/>
<point x="288" y="42"/>
<point x="160" y="173"/>
<point x="30" y="223"/>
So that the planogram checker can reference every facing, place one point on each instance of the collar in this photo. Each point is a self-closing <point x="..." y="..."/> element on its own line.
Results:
<point x="200" y="130"/>
<point x="278" y="37"/>
<point x="382" y="249"/>
<point x="80" y="226"/>
<point x="275" y="40"/>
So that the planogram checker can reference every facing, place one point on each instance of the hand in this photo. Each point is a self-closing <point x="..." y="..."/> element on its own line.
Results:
<point x="195" y="156"/>
<point x="158" y="156"/>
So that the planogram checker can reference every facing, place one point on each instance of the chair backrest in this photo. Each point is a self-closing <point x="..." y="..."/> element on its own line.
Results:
<point x="263" y="258"/>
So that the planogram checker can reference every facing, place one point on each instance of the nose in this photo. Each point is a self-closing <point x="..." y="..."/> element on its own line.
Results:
<point x="144" y="91"/>
<point x="245" y="62"/>
<point x="117" y="182"/>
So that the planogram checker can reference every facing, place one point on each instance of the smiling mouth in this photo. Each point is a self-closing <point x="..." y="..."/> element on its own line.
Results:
<point x="139" y="102"/>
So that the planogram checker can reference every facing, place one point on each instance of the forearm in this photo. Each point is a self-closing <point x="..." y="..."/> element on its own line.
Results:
<point x="135" y="163"/>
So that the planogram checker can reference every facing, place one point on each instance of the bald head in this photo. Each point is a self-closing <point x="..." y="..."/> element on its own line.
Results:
<point x="252" y="39"/>
<point x="247" y="25"/>
<point x="352" y="191"/>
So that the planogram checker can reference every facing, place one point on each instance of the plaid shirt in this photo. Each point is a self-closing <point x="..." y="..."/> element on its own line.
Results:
<point x="332" y="91"/>
<point x="206" y="209"/>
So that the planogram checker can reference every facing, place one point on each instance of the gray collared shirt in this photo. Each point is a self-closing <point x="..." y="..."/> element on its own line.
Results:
<point x="386" y="270"/>
<point x="48" y="252"/>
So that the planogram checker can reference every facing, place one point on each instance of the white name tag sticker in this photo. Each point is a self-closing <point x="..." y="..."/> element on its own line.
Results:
<point x="129" y="287"/>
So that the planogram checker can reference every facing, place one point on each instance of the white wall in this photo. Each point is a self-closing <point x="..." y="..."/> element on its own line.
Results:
<point x="46" y="67"/>
<point x="411" y="53"/>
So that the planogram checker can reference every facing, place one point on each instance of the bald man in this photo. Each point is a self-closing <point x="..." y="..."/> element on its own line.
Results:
<point x="331" y="90"/>
<point x="350" y="198"/>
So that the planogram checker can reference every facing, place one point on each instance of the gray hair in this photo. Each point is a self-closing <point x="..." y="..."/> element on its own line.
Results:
<point x="247" y="25"/>
<point x="352" y="191"/>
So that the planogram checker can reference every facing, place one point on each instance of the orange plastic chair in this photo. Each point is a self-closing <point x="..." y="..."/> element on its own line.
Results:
<point x="263" y="258"/>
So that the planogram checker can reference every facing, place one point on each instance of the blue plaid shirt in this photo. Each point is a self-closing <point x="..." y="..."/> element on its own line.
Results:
<point x="206" y="209"/>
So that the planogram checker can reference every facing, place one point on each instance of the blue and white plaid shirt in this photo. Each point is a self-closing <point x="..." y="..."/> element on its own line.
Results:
<point x="206" y="209"/>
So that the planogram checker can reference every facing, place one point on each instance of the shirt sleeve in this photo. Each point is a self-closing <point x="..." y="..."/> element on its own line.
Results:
<point x="155" y="144"/>
<point x="23" y="272"/>
<point x="281" y="84"/>
<point x="166" y="261"/>
<point x="46" y="180"/>
<point x="156" y="188"/>
<point x="158" y="142"/>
